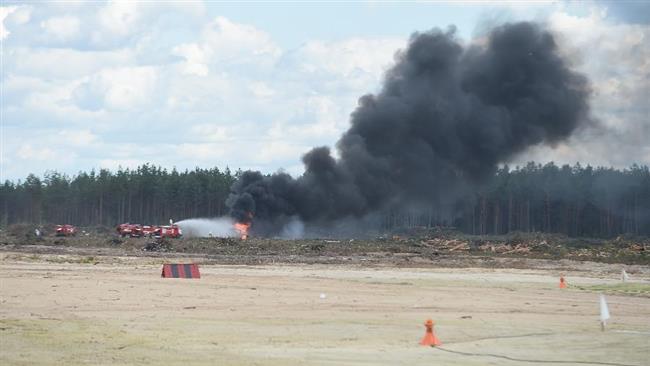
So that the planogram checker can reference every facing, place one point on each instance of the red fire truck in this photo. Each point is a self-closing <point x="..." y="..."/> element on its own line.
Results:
<point x="149" y="230"/>
<point x="66" y="230"/>
<point x="169" y="231"/>
<point x="137" y="231"/>
<point x="130" y="230"/>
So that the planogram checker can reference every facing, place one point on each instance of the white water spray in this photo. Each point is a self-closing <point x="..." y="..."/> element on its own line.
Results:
<point x="217" y="227"/>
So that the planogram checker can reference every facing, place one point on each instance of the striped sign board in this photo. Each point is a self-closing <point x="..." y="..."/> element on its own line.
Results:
<point x="175" y="270"/>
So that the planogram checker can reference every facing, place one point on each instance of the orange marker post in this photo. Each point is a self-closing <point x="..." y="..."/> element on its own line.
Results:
<point x="430" y="338"/>
<point x="562" y="282"/>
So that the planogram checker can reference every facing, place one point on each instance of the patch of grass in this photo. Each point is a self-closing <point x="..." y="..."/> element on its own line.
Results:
<point x="631" y="289"/>
<point x="72" y="259"/>
<point x="88" y="260"/>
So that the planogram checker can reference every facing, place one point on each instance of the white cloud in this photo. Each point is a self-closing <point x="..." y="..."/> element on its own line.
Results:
<point x="16" y="87"/>
<point x="63" y="63"/>
<point x="5" y="11"/>
<point x="17" y="14"/>
<point x="192" y="94"/>
<point x="200" y="151"/>
<point x="318" y="118"/>
<point x="119" y="16"/>
<point x="228" y="39"/>
<point x="261" y="89"/>
<point x="62" y="28"/>
<point x="51" y="103"/>
<point x="22" y="14"/>
<point x="77" y="137"/>
<point x="348" y="58"/>
<point x="196" y="59"/>
<point x="27" y="152"/>
<point x="225" y="42"/>
<point x="209" y="132"/>
<point x="120" y="88"/>
<point x="280" y="150"/>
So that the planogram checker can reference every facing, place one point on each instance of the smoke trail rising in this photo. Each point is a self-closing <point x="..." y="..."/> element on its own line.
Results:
<point x="445" y="117"/>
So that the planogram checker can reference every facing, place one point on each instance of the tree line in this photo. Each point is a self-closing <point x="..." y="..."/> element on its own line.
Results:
<point x="573" y="200"/>
<point x="576" y="201"/>
<point x="146" y="195"/>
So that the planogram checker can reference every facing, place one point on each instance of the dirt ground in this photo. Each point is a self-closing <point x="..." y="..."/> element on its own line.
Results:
<point x="115" y="310"/>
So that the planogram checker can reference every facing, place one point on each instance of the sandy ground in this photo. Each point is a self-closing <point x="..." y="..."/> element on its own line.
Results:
<point x="78" y="310"/>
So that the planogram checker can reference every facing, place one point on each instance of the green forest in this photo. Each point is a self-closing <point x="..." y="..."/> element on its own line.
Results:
<point x="147" y="194"/>
<point x="571" y="200"/>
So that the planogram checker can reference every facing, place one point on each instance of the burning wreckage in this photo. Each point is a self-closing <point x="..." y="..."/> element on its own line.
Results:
<point x="446" y="116"/>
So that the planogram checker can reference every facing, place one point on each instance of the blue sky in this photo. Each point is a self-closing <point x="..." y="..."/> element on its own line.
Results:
<point x="108" y="84"/>
<point x="294" y="24"/>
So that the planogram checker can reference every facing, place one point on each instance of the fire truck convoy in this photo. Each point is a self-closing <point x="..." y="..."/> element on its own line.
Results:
<point x="137" y="231"/>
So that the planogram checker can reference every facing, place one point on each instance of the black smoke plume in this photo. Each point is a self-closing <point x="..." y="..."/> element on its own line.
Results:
<point x="444" y="119"/>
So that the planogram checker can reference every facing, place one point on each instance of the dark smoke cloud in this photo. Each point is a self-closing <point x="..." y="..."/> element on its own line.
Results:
<point x="445" y="117"/>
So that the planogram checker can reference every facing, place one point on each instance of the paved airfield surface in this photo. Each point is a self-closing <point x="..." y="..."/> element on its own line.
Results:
<point x="117" y="310"/>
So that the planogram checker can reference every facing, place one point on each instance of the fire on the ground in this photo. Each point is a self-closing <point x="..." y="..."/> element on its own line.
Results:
<point x="243" y="226"/>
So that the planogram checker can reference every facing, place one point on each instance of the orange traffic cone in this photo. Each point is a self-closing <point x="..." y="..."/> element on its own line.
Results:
<point x="430" y="338"/>
<point x="562" y="282"/>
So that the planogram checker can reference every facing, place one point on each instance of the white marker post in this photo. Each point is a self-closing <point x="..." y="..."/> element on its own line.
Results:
<point x="624" y="276"/>
<point x="604" y="312"/>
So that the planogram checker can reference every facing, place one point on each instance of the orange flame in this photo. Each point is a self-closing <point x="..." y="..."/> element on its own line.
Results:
<point x="242" y="229"/>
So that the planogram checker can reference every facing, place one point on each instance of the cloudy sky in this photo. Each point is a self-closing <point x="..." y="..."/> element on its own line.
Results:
<point x="96" y="84"/>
